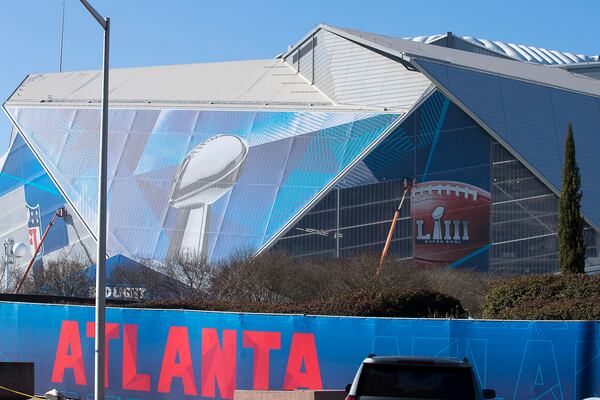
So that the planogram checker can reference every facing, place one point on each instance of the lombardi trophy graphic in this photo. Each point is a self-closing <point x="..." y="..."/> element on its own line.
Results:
<point x="206" y="174"/>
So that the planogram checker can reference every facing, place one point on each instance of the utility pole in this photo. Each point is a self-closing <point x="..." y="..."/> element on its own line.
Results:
<point x="62" y="36"/>
<point x="99" y="360"/>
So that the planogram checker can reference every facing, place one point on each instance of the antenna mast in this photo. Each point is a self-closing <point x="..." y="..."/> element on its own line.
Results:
<point x="62" y="36"/>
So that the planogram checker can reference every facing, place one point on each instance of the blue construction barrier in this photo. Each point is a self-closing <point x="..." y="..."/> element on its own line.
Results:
<point x="174" y="354"/>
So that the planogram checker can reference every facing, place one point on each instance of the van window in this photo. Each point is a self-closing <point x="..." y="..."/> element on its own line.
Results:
<point x="416" y="382"/>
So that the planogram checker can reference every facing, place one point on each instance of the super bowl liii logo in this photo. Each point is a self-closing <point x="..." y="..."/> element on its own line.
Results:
<point x="445" y="231"/>
<point x="450" y="221"/>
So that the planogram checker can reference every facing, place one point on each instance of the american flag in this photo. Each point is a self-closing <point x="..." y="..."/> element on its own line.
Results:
<point x="34" y="227"/>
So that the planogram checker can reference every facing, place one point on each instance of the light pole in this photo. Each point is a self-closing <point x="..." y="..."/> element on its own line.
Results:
<point x="101" y="248"/>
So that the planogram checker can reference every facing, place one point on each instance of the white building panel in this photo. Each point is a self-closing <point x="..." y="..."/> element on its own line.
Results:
<point x="13" y="216"/>
<point x="352" y="74"/>
<point x="306" y="56"/>
<point x="237" y="82"/>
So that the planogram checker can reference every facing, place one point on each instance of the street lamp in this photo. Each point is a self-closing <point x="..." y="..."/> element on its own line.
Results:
<point x="13" y="252"/>
<point x="101" y="248"/>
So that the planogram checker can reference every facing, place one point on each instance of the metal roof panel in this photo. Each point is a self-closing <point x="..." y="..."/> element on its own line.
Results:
<point x="407" y="49"/>
<point x="259" y="82"/>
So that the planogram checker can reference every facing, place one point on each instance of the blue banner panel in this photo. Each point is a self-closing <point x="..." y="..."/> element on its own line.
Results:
<point x="180" y="181"/>
<point x="170" y="354"/>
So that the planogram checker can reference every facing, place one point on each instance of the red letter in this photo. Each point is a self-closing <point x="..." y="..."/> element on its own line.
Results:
<point x="303" y="348"/>
<point x="218" y="364"/>
<point x="131" y="379"/>
<point x="261" y="342"/>
<point x="178" y="344"/>
<point x="111" y="332"/>
<point x="68" y="354"/>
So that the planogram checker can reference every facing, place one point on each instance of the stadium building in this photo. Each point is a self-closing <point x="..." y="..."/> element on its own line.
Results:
<point x="310" y="153"/>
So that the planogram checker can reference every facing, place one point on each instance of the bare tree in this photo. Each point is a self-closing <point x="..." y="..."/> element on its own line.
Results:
<point x="10" y="277"/>
<point x="61" y="276"/>
<point x="140" y="283"/>
<point x="186" y="276"/>
<point x="466" y="285"/>
<point x="272" y="278"/>
<point x="248" y="279"/>
<point x="278" y="279"/>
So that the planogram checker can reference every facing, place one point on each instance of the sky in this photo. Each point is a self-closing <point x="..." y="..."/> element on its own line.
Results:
<point x="159" y="32"/>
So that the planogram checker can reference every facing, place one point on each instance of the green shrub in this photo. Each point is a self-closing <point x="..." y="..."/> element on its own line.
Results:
<point x="378" y="303"/>
<point x="571" y="244"/>
<point x="559" y="297"/>
<point x="390" y="302"/>
<point x="279" y="279"/>
<point x="566" y="309"/>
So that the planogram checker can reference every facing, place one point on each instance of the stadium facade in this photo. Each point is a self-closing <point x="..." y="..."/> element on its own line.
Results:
<point x="310" y="153"/>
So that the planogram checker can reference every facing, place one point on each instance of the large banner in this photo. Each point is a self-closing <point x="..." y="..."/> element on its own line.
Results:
<point x="445" y="220"/>
<point x="169" y="354"/>
<point x="219" y="183"/>
<point x="203" y="182"/>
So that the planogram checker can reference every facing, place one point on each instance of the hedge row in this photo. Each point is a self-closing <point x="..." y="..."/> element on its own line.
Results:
<point x="550" y="297"/>
<point x="379" y="303"/>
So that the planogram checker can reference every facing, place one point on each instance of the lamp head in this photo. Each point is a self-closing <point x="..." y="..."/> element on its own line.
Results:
<point x="19" y="250"/>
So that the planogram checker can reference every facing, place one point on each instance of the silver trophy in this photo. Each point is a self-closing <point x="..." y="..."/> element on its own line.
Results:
<point x="206" y="174"/>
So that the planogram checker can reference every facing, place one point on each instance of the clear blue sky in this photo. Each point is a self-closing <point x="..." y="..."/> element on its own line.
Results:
<point x="158" y="32"/>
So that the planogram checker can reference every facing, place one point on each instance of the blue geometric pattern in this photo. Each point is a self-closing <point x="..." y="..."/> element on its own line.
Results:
<point x="423" y="147"/>
<point x="532" y="120"/>
<point x="291" y="157"/>
<point x="519" y="359"/>
<point x="331" y="152"/>
<point x="412" y="135"/>
<point x="22" y="169"/>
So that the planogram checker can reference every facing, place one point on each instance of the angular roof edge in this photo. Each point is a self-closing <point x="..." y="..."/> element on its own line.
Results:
<point x="407" y="49"/>
<point x="522" y="71"/>
<point x="250" y="84"/>
<point x="518" y="52"/>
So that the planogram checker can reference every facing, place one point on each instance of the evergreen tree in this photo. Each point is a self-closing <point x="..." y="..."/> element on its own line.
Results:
<point x="571" y="252"/>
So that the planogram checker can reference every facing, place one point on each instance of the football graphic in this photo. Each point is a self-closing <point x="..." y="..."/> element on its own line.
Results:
<point x="206" y="174"/>
<point x="208" y="171"/>
<point x="450" y="221"/>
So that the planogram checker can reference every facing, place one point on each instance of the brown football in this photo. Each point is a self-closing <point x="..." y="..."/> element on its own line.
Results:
<point x="450" y="221"/>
